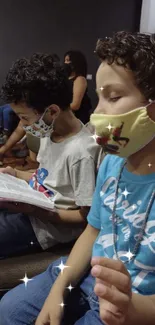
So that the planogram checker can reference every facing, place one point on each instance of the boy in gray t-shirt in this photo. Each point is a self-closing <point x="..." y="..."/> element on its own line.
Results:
<point x="40" y="95"/>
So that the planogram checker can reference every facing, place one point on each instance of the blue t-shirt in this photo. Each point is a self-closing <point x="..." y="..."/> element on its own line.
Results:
<point x="130" y="211"/>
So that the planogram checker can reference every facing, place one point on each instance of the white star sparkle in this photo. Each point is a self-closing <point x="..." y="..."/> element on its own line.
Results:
<point x="70" y="288"/>
<point x="109" y="127"/>
<point x="129" y="255"/>
<point x="134" y="206"/>
<point x="126" y="193"/>
<point x="101" y="88"/>
<point x="94" y="136"/>
<point x="62" y="266"/>
<point x="62" y="305"/>
<point x="26" y="280"/>
<point x="32" y="243"/>
<point x="149" y="165"/>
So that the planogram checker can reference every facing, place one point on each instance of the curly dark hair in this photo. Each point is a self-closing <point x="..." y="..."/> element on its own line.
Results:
<point x="78" y="61"/>
<point x="134" y="51"/>
<point x="38" y="81"/>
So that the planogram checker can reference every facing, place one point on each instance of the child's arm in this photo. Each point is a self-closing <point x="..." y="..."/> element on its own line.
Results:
<point x="25" y="175"/>
<point x="62" y="216"/>
<point x="79" y="263"/>
<point x="16" y="136"/>
<point x="118" y="305"/>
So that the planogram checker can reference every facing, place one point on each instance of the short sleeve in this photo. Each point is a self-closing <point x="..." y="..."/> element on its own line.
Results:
<point x="82" y="175"/>
<point x="94" y="213"/>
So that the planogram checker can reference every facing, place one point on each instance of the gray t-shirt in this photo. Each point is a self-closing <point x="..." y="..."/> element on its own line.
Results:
<point x="67" y="172"/>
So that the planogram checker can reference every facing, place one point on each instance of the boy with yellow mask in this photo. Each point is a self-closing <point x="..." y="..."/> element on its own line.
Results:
<point x="112" y="265"/>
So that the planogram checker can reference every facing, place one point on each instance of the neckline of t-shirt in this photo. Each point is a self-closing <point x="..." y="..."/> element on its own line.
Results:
<point x="70" y="138"/>
<point x="134" y="178"/>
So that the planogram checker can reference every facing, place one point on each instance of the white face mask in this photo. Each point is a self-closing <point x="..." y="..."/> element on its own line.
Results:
<point x="40" y="129"/>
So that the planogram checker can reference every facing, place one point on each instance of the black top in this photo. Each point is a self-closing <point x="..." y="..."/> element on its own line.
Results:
<point x="83" y="113"/>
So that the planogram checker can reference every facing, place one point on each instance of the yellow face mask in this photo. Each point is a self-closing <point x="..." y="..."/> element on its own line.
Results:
<point x="124" y="134"/>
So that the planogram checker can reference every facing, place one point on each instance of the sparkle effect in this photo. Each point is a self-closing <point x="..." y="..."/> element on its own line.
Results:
<point x="70" y="288"/>
<point x="109" y="127"/>
<point x="149" y="165"/>
<point x="129" y="255"/>
<point x="101" y="88"/>
<point x="126" y="193"/>
<point x="32" y="243"/>
<point x="62" y="305"/>
<point x="94" y="136"/>
<point x="62" y="266"/>
<point x="26" y="280"/>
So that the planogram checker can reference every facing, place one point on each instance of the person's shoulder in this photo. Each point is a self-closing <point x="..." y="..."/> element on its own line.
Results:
<point x="85" y="140"/>
<point x="83" y="145"/>
<point x="80" y="80"/>
<point x="110" y="166"/>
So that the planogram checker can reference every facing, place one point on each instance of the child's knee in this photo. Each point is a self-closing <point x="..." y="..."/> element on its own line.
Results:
<point x="7" y="309"/>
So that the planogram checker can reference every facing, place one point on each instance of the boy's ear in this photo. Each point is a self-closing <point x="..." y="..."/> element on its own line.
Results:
<point x="151" y="111"/>
<point x="54" y="110"/>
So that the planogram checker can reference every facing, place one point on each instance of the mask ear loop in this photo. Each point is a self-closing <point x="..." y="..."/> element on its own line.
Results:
<point x="151" y="101"/>
<point x="52" y="124"/>
<point x="42" y="116"/>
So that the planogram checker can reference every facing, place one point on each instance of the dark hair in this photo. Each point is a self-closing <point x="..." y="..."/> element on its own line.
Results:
<point x="55" y="57"/>
<point x="78" y="61"/>
<point x="39" y="82"/>
<point x="134" y="51"/>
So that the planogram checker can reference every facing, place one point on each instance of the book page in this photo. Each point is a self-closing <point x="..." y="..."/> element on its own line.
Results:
<point x="14" y="189"/>
<point x="8" y="179"/>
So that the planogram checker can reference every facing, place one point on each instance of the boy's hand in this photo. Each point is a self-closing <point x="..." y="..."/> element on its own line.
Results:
<point x="8" y="170"/>
<point x="52" y="312"/>
<point x="113" y="287"/>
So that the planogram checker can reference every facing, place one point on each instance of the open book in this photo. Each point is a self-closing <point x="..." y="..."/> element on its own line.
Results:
<point x="14" y="189"/>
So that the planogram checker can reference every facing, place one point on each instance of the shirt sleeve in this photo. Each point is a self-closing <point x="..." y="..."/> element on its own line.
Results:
<point x="82" y="175"/>
<point x="94" y="213"/>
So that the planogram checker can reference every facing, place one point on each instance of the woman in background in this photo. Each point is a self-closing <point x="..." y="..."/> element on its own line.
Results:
<point x="76" y="68"/>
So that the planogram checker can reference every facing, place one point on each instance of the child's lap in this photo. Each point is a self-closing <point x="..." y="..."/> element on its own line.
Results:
<point x="25" y="303"/>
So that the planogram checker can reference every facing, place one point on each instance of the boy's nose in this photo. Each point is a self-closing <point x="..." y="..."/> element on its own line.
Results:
<point x="100" y="110"/>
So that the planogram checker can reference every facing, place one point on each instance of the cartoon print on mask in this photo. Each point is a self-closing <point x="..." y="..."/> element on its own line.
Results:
<point x="103" y="141"/>
<point x="131" y="131"/>
<point x="39" y="128"/>
<point x="116" y="136"/>
<point x="37" y="180"/>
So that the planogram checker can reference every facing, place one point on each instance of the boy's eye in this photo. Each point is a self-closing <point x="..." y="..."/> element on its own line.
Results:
<point x="115" y="99"/>
<point x="24" y="118"/>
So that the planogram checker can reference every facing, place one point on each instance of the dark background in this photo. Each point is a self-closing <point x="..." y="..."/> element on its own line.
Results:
<point x="28" y="26"/>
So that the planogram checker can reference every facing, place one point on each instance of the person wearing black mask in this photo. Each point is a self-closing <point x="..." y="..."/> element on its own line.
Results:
<point x="76" y="68"/>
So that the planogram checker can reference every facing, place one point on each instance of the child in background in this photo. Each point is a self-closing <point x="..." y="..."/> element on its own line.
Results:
<point x="120" y="287"/>
<point x="6" y="122"/>
<point x="33" y="143"/>
<point x="41" y="97"/>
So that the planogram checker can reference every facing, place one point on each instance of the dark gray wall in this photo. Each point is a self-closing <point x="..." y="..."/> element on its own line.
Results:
<point x="27" y="26"/>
